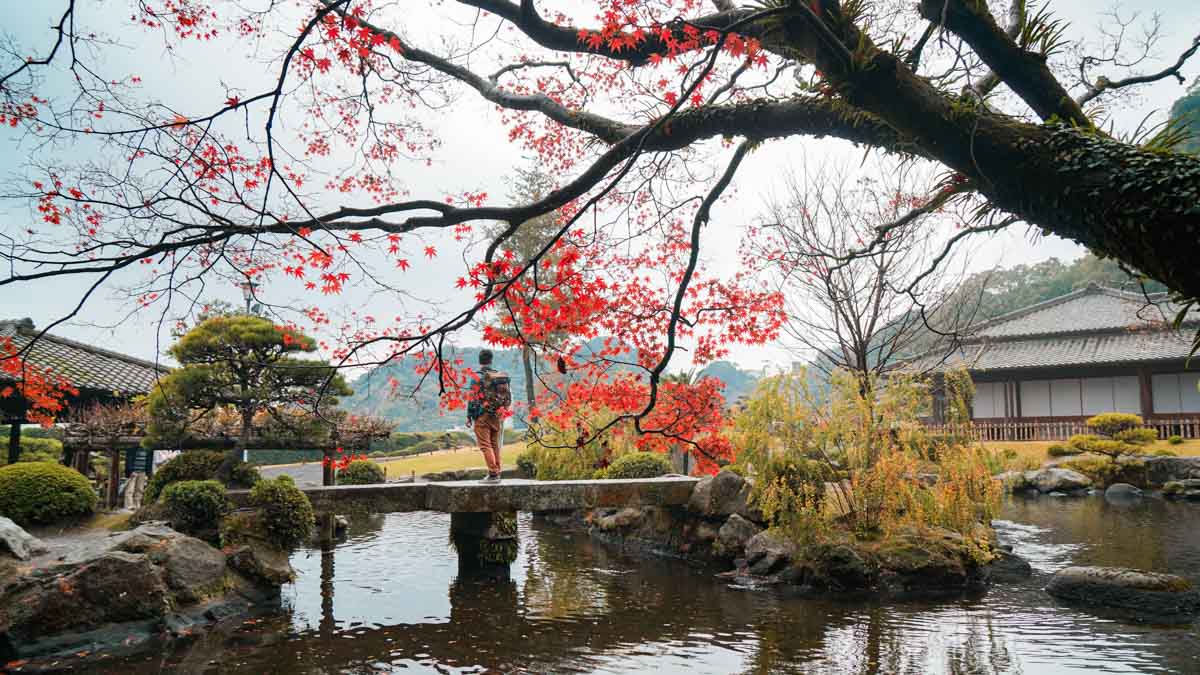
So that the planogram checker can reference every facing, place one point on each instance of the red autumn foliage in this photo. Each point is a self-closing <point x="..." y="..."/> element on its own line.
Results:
<point x="44" y="391"/>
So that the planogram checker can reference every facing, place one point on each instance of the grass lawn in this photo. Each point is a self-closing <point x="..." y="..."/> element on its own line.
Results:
<point x="1031" y="451"/>
<point x="452" y="460"/>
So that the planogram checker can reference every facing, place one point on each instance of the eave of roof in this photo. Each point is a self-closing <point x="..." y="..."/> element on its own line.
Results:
<point x="136" y="378"/>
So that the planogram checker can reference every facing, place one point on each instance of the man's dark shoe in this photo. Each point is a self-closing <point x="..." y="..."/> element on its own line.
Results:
<point x="491" y="478"/>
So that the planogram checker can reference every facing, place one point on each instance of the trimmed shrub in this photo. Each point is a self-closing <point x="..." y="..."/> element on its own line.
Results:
<point x="1162" y="452"/>
<point x="195" y="506"/>
<point x="1142" y="436"/>
<point x="44" y="493"/>
<point x="286" y="512"/>
<point x="1113" y="423"/>
<point x="1081" y="441"/>
<point x="1060" y="450"/>
<point x="196" y="465"/>
<point x="1175" y="440"/>
<point x="527" y="464"/>
<point x="638" y="465"/>
<point x="1132" y="471"/>
<point x="1119" y="434"/>
<point x="361" y="472"/>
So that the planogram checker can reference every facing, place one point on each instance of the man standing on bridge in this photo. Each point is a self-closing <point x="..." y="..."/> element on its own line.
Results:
<point x="488" y="406"/>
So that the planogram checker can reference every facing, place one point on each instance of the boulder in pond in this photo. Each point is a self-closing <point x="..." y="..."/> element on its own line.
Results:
<point x="1054" y="479"/>
<point x="1015" y="481"/>
<point x="1008" y="567"/>
<point x="1162" y="470"/>
<point x="733" y="535"/>
<point x="722" y="495"/>
<point x="1122" y="491"/>
<point x="1151" y="594"/>
<point x="767" y="552"/>
<point x="19" y="543"/>
<point x="262" y="563"/>
<point x="1188" y="488"/>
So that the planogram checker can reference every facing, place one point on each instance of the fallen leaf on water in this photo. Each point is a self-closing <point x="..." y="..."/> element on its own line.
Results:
<point x="11" y="665"/>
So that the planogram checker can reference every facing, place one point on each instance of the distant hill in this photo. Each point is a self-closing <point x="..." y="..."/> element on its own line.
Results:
<point x="373" y="395"/>
<point x="738" y="382"/>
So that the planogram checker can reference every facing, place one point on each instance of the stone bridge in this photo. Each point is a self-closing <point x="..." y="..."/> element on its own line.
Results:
<point x="506" y="496"/>
<point x="482" y="520"/>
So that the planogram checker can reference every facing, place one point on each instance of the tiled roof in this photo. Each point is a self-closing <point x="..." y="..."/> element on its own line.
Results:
<point x="85" y="366"/>
<point x="1090" y="326"/>
<point x="1077" y="350"/>
<point x="1093" y="308"/>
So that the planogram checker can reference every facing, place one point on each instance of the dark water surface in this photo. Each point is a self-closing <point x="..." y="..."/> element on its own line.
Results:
<point x="389" y="600"/>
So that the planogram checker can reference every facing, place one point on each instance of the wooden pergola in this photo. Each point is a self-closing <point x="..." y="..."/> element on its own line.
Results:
<point x="100" y="375"/>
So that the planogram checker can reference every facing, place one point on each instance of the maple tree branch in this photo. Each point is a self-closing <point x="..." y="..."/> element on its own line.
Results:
<point x="30" y="62"/>
<point x="568" y="38"/>
<point x="698" y="222"/>
<point x="608" y="130"/>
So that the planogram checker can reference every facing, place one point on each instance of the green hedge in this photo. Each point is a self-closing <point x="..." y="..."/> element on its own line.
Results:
<point x="268" y="457"/>
<point x="637" y="465"/>
<point x="286" y="511"/>
<point x="527" y="463"/>
<point x="44" y="493"/>
<point x="195" y="506"/>
<point x="35" y="449"/>
<point x="196" y="465"/>
<point x="361" y="472"/>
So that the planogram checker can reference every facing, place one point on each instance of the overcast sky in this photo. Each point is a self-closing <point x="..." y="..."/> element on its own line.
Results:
<point x="476" y="156"/>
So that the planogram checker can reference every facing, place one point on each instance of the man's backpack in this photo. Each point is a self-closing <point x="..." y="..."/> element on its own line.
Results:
<point x="497" y="391"/>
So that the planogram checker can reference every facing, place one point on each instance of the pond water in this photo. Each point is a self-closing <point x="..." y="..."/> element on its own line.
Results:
<point x="389" y="599"/>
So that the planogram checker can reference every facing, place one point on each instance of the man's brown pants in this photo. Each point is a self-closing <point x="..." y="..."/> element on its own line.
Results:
<point x="487" y="434"/>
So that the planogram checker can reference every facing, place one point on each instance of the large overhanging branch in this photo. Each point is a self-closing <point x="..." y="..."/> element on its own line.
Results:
<point x="1025" y="72"/>
<point x="811" y="116"/>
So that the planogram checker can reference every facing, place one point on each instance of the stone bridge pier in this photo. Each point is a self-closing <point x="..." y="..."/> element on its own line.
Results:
<point x="483" y="524"/>
<point x="487" y="542"/>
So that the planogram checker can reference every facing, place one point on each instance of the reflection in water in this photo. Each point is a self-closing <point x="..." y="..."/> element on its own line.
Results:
<point x="392" y="598"/>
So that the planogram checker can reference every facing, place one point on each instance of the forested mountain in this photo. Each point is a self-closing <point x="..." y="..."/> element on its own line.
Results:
<point x="419" y="411"/>
<point x="738" y="382"/>
<point x="1005" y="290"/>
<point x="373" y="395"/>
<point x="1187" y="112"/>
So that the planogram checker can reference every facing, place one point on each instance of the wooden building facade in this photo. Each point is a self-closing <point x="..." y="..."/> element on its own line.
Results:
<point x="100" y="375"/>
<point x="1041" y="371"/>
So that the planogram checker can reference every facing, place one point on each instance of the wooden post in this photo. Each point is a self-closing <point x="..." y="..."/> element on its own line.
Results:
<point x="1147" y="393"/>
<point x="327" y="472"/>
<point x="14" y="442"/>
<point x="114" y="477"/>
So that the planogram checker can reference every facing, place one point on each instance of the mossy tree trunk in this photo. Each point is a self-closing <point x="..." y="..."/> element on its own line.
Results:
<point x="1137" y="205"/>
